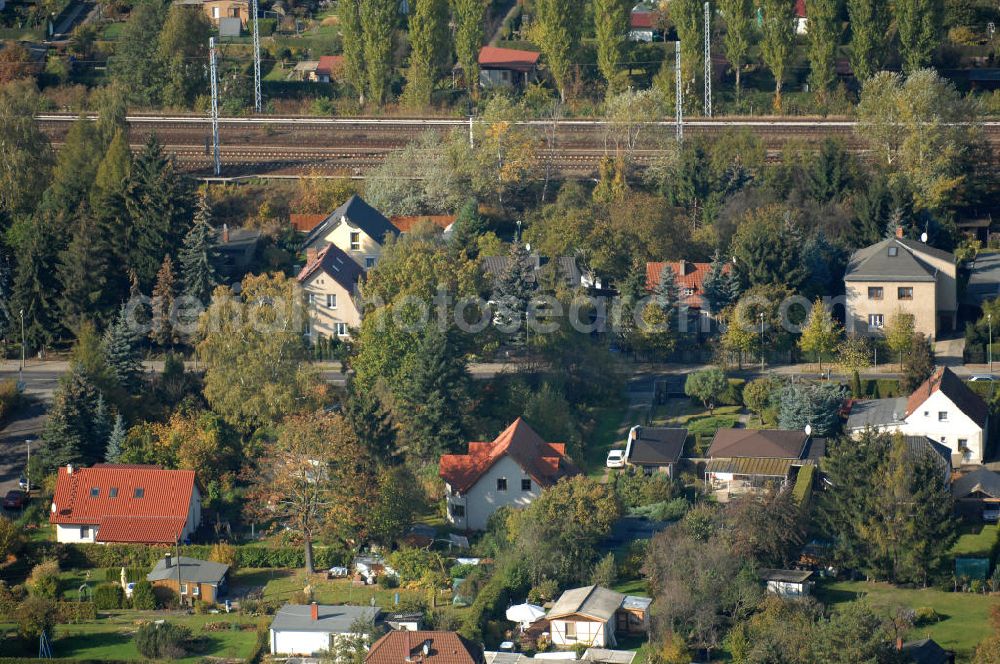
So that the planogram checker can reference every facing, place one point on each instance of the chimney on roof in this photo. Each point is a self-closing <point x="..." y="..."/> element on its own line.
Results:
<point x="225" y="233"/>
<point x="311" y="255"/>
<point x="168" y="561"/>
<point x="899" y="232"/>
<point x="899" y="644"/>
<point x="314" y="611"/>
<point x="69" y="469"/>
<point x="682" y="267"/>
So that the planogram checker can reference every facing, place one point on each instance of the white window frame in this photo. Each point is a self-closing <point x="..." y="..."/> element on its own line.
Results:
<point x="331" y="300"/>
<point x="355" y="244"/>
<point x="876" y="321"/>
<point x="370" y="262"/>
<point x="84" y="532"/>
<point x="340" y="329"/>
<point x="942" y="416"/>
<point x="183" y="588"/>
<point x="311" y="298"/>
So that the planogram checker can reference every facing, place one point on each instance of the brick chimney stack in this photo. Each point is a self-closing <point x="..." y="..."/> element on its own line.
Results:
<point x="314" y="611"/>
<point x="225" y="233"/>
<point x="899" y="232"/>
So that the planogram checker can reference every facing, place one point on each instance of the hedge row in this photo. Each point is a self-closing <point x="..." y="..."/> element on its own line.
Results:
<point x="144" y="557"/>
<point x="75" y="612"/>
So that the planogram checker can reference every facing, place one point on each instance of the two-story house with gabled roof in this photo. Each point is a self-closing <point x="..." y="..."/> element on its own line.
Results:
<point x="122" y="503"/>
<point x="330" y="281"/>
<point x="356" y="228"/>
<point x="897" y="274"/>
<point x="943" y="409"/>
<point x="511" y="470"/>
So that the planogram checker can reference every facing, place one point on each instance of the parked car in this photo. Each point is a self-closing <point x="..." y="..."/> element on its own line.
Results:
<point x="616" y="459"/>
<point x="982" y="378"/>
<point x="22" y="482"/>
<point x="14" y="500"/>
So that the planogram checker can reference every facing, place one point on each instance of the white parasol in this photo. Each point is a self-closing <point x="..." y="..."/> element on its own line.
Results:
<point x="525" y="614"/>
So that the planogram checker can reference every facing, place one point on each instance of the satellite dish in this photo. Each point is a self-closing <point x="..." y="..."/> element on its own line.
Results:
<point x="923" y="238"/>
<point x="809" y="430"/>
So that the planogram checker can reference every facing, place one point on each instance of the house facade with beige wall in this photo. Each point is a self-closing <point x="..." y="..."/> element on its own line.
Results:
<point x="897" y="274"/>
<point x="216" y="10"/>
<point x="357" y="229"/>
<point x="330" y="281"/>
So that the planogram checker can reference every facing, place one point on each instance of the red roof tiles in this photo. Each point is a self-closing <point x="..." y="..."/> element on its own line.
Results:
<point x="493" y="57"/>
<point x="331" y="65"/>
<point x="945" y="380"/>
<point x="109" y="496"/>
<point x="334" y="262"/>
<point x="545" y="462"/>
<point x="642" y="20"/>
<point x="405" y="223"/>
<point x="402" y="646"/>
<point x="306" y="222"/>
<point x="689" y="277"/>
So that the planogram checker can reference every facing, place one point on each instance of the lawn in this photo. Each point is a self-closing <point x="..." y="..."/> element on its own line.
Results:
<point x="976" y="540"/>
<point x="700" y="423"/>
<point x="965" y="616"/>
<point x="609" y="429"/>
<point x="111" y="637"/>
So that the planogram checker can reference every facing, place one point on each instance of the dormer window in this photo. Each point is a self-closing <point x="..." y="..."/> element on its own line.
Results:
<point x="95" y="492"/>
<point x="113" y="492"/>
<point x="139" y="492"/>
<point x="893" y="251"/>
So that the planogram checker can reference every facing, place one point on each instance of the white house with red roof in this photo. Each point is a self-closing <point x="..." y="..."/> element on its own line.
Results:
<point x="511" y="470"/>
<point x="121" y="503"/>
<point x="943" y="409"/>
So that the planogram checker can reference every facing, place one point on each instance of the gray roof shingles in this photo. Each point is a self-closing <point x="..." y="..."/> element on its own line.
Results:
<point x="361" y="215"/>
<point x="657" y="446"/>
<point x="332" y="619"/>
<point x="875" y="263"/>
<point x="192" y="570"/>
<point x="982" y="480"/>
<point x="594" y="602"/>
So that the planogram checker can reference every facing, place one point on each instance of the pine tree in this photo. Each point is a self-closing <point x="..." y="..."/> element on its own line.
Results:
<point x="371" y="423"/>
<point x="197" y="256"/>
<point x="469" y="226"/>
<point x="7" y="314"/>
<point x="666" y="292"/>
<point x="513" y="290"/>
<point x="75" y="170"/>
<point x="434" y="392"/>
<point x="720" y="285"/>
<point x="82" y="271"/>
<point x="121" y="353"/>
<point x="113" y="171"/>
<point x="163" y="303"/>
<point x="157" y="204"/>
<point x="115" y="440"/>
<point x="35" y="289"/>
<point x="71" y="434"/>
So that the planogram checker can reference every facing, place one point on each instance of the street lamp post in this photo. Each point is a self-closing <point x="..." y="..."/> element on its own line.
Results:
<point x="20" y="371"/>
<point x="27" y="468"/>
<point x="762" y="341"/>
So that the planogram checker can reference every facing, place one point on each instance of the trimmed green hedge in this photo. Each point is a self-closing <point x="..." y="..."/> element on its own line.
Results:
<point x="75" y="612"/>
<point x="144" y="557"/>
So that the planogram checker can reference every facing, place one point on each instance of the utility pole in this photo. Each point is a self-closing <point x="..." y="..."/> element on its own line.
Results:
<point x="678" y="92"/>
<point x="257" y="99"/>
<point x="762" y="342"/>
<point x="989" y="318"/>
<point x="20" y="370"/>
<point x="215" y="106"/>
<point x="708" y="60"/>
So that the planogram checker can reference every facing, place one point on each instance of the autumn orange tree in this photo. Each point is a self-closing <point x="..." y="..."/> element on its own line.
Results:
<point x="315" y="478"/>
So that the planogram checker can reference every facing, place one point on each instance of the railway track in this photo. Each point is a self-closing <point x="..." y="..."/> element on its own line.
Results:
<point x="287" y="146"/>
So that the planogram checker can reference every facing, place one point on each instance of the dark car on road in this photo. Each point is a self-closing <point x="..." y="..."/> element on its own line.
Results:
<point x="14" y="500"/>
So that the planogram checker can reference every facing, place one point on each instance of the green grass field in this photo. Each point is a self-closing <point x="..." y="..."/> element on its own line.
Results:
<point x="694" y="417"/>
<point x="965" y="616"/>
<point x="112" y="637"/>
<point x="976" y="540"/>
<point x="608" y="431"/>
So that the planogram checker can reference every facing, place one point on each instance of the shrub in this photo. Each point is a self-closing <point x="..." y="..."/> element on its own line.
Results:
<point x="132" y="574"/>
<point x="604" y="572"/>
<point x="389" y="581"/>
<point x="925" y="615"/>
<point x="11" y="537"/>
<point x="74" y="612"/>
<point x="166" y="598"/>
<point x="670" y="510"/>
<point x="143" y="598"/>
<point x="163" y="641"/>
<point x="109" y="596"/>
<point x="410" y="563"/>
<point x="461" y="571"/>
<point x="10" y="398"/>
<point x="34" y="616"/>
<point x="44" y="580"/>
<point x="225" y="554"/>
<point x="10" y="597"/>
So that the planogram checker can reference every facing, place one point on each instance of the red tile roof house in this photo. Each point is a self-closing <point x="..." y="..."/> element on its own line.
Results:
<point x="423" y="647"/>
<point x="132" y="504"/>
<point x="690" y="279"/>
<point x="506" y="66"/>
<point x="511" y="470"/>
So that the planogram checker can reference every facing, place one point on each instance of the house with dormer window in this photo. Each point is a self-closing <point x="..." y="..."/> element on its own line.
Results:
<point x="125" y="504"/>
<point x="356" y="228"/>
<point x="897" y="274"/>
<point x="511" y="470"/>
<point x="330" y="283"/>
